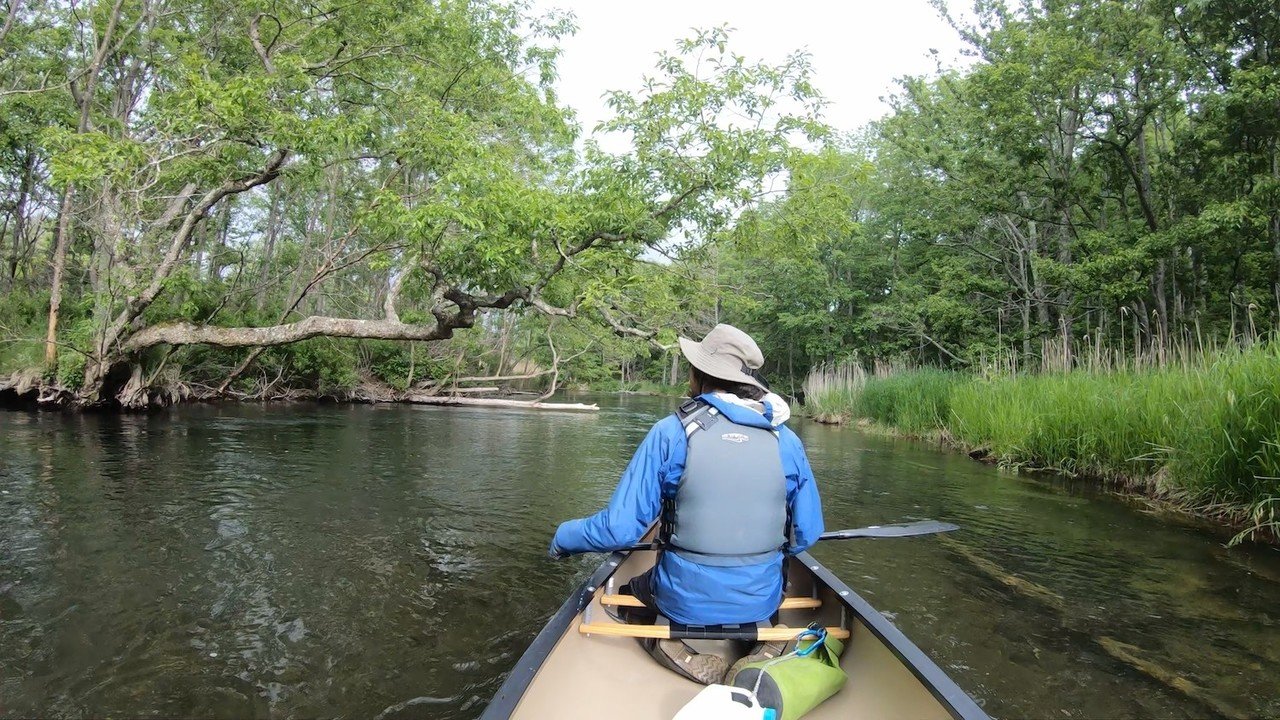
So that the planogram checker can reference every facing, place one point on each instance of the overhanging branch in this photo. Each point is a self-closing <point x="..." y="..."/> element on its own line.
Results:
<point x="185" y="333"/>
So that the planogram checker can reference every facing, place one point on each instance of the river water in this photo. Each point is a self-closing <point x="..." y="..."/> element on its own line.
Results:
<point x="389" y="562"/>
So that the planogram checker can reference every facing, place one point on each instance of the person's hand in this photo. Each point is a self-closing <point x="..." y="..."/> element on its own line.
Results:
<point x="556" y="553"/>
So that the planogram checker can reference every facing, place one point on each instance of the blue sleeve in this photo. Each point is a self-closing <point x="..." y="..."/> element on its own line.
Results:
<point x="806" y="506"/>
<point x="635" y="503"/>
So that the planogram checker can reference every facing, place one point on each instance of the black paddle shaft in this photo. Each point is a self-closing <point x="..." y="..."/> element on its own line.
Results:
<point x="921" y="527"/>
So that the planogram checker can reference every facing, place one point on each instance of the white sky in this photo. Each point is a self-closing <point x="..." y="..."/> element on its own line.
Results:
<point x="858" y="47"/>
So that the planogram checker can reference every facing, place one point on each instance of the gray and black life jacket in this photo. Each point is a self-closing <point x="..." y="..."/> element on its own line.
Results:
<point x="730" y="507"/>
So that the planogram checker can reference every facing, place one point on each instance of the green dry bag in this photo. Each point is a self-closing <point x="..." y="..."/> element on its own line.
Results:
<point x="798" y="680"/>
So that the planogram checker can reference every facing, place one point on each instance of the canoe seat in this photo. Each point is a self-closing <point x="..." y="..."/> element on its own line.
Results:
<point x="791" y="603"/>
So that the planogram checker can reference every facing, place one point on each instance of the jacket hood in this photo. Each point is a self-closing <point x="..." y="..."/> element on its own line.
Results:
<point x="752" y="413"/>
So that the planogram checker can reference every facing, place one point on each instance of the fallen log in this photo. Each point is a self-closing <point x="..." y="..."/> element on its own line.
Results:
<point x="471" y="390"/>
<point x="494" y="402"/>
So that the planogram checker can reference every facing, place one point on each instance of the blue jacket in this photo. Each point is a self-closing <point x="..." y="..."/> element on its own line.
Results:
<point x="688" y="592"/>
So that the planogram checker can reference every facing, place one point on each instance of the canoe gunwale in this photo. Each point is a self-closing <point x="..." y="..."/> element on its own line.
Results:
<point x="513" y="687"/>
<point x="940" y="685"/>
<point x="952" y="698"/>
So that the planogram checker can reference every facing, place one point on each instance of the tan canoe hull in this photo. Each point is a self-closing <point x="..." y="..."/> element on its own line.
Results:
<point x="566" y="674"/>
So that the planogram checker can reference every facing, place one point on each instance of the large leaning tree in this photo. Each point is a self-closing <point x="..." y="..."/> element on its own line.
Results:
<point x="380" y="169"/>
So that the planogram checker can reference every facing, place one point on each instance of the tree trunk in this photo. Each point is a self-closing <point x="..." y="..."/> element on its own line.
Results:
<point x="273" y="231"/>
<point x="1141" y="176"/>
<point x="504" y="336"/>
<point x="1026" y="330"/>
<point x="20" y="212"/>
<point x="1065" y="319"/>
<point x="1144" y="322"/>
<point x="64" y="212"/>
<point x="10" y="16"/>
<point x="1029" y="274"/>
<point x="1158" y="290"/>
<point x="107" y="241"/>
<point x="98" y="366"/>
<point x="1275" y="233"/>
<point x="55" y="287"/>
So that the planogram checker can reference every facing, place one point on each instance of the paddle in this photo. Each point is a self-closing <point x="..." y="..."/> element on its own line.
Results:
<point x="920" y="527"/>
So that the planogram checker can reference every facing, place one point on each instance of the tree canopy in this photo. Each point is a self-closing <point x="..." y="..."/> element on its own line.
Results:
<point x="249" y="175"/>
<point x="229" y="192"/>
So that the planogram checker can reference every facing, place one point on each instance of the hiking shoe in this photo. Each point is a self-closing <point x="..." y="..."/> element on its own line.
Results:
<point x="705" y="668"/>
<point x="762" y="651"/>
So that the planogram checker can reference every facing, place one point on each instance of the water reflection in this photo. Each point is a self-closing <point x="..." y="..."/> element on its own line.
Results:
<point x="389" y="561"/>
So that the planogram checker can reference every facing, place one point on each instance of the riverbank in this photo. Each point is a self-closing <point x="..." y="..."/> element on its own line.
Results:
<point x="29" y="391"/>
<point x="1202" y="437"/>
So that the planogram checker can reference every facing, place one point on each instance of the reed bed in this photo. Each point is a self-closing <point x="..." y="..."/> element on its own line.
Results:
<point x="1202" y="429"/>
<point x="914" y="402"/>
<point x="831" y="390"/>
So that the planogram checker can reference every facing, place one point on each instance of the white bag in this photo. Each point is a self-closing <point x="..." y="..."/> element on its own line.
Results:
<point x="723" y="702"/>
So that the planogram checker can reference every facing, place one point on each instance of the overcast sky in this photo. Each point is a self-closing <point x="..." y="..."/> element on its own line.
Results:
<point x="858" y="47"/>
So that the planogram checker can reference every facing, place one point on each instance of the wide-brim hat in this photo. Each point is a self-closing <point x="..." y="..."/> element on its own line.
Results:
<point x="726" y="353"/>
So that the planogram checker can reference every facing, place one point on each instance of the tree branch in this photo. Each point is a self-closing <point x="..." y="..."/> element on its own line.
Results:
<point x="9" y="18"/>
<point x="137" y="305"/>
<point x="264" y="53"/>
<point x="185" y="333"/>
<point x="625" y="330"/>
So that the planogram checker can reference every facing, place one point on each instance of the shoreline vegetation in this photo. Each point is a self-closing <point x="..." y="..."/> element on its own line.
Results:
<point x="28" y="390"/>
<point x="1199" y="433"/>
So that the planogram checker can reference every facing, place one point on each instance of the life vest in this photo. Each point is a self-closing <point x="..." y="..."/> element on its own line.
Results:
<point x="730" y="506"/>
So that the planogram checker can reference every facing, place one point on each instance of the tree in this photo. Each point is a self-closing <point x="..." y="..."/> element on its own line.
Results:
<point x="432" y="175"/>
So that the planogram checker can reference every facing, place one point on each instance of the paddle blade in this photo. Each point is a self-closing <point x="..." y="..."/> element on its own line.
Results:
<point x="922" y="527"/>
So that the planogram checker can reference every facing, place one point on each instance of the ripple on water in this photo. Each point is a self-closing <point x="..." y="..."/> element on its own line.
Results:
<point x="352" y="561"/>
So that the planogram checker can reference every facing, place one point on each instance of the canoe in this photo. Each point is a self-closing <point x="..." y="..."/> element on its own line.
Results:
<point x="566" y="673"/>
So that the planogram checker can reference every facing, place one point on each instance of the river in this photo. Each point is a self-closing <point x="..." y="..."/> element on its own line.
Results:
<point x="389" y="561"/>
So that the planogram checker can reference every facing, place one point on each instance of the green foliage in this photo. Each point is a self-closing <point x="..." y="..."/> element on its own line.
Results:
<point x="78" y="342"/>
<point x="1226" y="448"/>
<point x="391" y="363"/>
<point x="1204" y="433"/>
<point x="21" y="325"/>
<point x="1213" y="426"/>
<point x="915" y="402"/>
<point x="322" y="363"/>
<point x="399" y="364"/>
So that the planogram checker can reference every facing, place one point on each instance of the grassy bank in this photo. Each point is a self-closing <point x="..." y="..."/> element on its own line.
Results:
<point x="1205" y="434"/>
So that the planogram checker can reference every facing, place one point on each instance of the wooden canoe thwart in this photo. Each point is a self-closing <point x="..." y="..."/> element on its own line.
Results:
<point x="681" y="632"/>
<point x="585" y="662"/>
<point x="791" y="603"/>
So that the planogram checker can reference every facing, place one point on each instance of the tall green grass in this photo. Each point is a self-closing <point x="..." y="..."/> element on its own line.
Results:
<point x="914" y="402"/>
<point x="1206" y="433"/>
<point x="832" y="390"/>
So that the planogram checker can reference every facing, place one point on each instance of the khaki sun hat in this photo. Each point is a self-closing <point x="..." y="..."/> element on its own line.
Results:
<point x="726" y="353"/>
